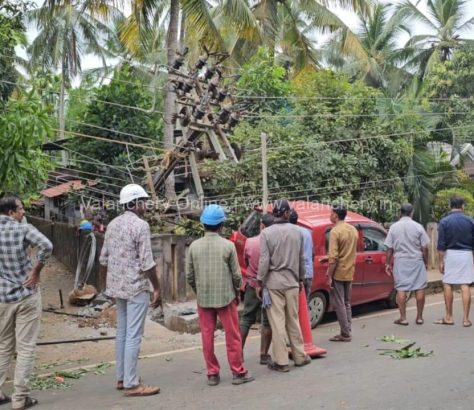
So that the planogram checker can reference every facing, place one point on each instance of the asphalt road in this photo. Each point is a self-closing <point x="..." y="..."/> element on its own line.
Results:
<point x="352" y="376"/>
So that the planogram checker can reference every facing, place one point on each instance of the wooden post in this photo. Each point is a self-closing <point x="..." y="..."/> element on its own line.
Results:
<point x="149" y="178"/>
<point x="264" y="173"/>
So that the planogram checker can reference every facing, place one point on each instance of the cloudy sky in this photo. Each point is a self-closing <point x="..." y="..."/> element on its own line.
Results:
<point x="348" y="17"/>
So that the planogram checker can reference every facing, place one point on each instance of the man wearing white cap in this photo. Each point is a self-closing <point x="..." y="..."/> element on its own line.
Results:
<point x="127" y="260"/>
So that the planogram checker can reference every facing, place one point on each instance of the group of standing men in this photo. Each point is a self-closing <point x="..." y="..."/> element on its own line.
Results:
<point x="279" y="266"/>
<point x="407" y="259"/>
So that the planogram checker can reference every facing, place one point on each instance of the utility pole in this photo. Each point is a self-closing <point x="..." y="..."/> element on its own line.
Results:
<point x="264" y="172"/>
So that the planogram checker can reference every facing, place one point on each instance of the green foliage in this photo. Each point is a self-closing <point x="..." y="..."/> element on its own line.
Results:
<point x="340" y="145"/>
<point x="12" y="33"/>
<point x="116" y="122"/>
<point x="451" y="86"/>
<point x="261" y="77"/>
<point x="441" y="202"/>
<point x="406" y="352"/>
<point x="24" y="125"/>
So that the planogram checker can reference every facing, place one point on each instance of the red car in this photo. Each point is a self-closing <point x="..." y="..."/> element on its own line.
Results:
<point x="370" y="283"/>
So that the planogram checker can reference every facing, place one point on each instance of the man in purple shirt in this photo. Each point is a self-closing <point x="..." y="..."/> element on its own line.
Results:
<point x="252" y="299"/>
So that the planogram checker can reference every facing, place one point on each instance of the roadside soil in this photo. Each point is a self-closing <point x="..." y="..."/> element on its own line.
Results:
<point x="55" y="327"/>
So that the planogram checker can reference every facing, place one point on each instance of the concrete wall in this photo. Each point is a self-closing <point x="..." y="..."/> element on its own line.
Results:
<point x="169" y="252"/>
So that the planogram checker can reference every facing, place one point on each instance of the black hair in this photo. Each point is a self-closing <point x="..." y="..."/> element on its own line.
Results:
<point x="293" y="217"/>
<point x="340" y="210"/>
<point x="213" y="228"/>
<point x="267" y="220"/>
<point x="8" y="203"/>
<point x="406" y="209"/>
<point x="280" y="206"/>
<point x="456" y="202"/>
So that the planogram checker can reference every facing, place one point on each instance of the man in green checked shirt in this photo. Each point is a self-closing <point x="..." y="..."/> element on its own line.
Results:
<point x="213" y="273"/>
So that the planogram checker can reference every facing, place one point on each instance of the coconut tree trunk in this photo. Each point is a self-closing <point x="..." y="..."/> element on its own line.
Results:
<point x="172" y="45"/>
<point x="182" y="30"/>
<point x="61" y="113"/>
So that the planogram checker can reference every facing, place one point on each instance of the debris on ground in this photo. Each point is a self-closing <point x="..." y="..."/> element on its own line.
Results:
<point x="57" y="380"/>
<point x="406" y="352"/>
<point x="105" y="319"/>
<point x="393" y="339"/>
<point x="82" y="296"/>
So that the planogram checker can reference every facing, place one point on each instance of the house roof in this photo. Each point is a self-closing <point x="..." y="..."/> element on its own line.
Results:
<point x="467" y="150"/>
<point x="61" y="189"/>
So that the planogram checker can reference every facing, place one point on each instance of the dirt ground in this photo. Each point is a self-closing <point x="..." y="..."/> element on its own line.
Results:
<point x="56" y="327"/>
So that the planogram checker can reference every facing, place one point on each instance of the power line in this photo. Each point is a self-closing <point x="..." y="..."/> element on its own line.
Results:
<point x="147" y="111"/>
<point x="328" y="115"/>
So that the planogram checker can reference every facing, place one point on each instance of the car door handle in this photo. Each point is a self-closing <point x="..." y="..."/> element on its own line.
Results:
<point x="369" y="259"/>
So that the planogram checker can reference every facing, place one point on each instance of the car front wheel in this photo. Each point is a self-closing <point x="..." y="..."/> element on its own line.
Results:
<point x="317" y="307"/>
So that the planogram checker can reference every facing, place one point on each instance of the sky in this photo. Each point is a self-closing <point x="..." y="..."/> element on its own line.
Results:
<point x="90" y="61"/>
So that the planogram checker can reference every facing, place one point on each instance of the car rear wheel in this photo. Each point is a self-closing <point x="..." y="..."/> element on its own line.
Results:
<point x="317" y="307"/>
<point x="392" y="299"/>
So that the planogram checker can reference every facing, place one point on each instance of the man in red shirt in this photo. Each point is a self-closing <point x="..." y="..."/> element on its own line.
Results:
<point x="252" y="299"/>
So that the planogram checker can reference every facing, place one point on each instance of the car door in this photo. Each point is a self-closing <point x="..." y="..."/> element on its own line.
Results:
<point x="377" y="284"/>
<point x="358" y="281"/>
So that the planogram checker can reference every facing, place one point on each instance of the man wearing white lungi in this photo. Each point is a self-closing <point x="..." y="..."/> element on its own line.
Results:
<point x="455" y="251"/>
<point x="407" y="258"/>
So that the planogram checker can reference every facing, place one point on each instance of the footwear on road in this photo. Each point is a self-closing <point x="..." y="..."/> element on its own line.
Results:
<point x="242" y="378"/>
<point x="213" y="380"/>
<point x="142" y="390"/>
<point x="278" y="367"/>
<point x="307" y="360"/>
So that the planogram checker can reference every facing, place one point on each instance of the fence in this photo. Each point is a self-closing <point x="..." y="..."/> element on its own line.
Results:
<point x="169" y="252"/>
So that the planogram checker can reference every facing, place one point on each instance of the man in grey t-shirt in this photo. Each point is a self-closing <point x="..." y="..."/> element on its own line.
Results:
<point x="407" y="258"/>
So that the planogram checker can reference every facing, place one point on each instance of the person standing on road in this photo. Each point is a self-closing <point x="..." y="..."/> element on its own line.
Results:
<point x="455" y="251"/>
<point x="407" y="259"/>
<point x="252" y="294"/>
<point x="127" y="260"/>
<point x="281" y="270"/>
<point x="342" y="259"/>
<point x="20" y="299"/>
<point x="308" y="253"/>
<point x="212" y="271"/>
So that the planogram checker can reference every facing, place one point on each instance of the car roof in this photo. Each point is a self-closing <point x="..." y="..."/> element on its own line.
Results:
<point x="313" y="214"/>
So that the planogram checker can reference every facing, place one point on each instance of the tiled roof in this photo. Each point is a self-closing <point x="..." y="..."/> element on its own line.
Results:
<point x="61" y="189"/>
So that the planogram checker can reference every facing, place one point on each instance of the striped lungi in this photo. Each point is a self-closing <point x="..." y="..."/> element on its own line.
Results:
<point x="458" y="267"/>
<point x="409" y="274"/>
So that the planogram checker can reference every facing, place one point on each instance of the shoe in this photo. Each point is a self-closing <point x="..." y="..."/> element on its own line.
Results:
<point x="307" y="360"/>
<point x="141" y="390"/>
<point x="29" y="402"/>
<point x="213" y="380"/>
<point x="265" y="359"/>
<point x="340" y="338"/>
<point x="242" y="378"/>
<point x="278" y="367"/>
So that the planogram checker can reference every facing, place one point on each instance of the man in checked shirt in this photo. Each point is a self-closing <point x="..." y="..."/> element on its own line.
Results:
<point x="20" y="298"/>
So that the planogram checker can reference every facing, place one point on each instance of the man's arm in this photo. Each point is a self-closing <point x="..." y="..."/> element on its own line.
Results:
<point x="35" y="238"/>
<point x="333" y="256"/>
<point x="302" y="271"/>
<point x="190" y="273"/>
<point x="389" y="261"/>
<point x="441" y="246"/>
<point x="264" y="261"/>
<point x="147" y="263"/>
<point x="235" y="270"/>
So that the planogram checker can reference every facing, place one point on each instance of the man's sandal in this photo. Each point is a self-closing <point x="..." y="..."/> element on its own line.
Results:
<point x="29" y="402"/>
<point x="120" y="385"/>
<point x="142" y="390"/>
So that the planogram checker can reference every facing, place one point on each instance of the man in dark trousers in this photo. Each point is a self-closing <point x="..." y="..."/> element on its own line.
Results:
<point x="340" y="273"/>
<point x="252" y="295"/>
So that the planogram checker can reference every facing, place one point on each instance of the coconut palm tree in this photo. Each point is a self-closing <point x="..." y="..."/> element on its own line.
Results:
<point x="65" y="33"/>
<point x="446" y="23"/>
<point x="380" y="61"/>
